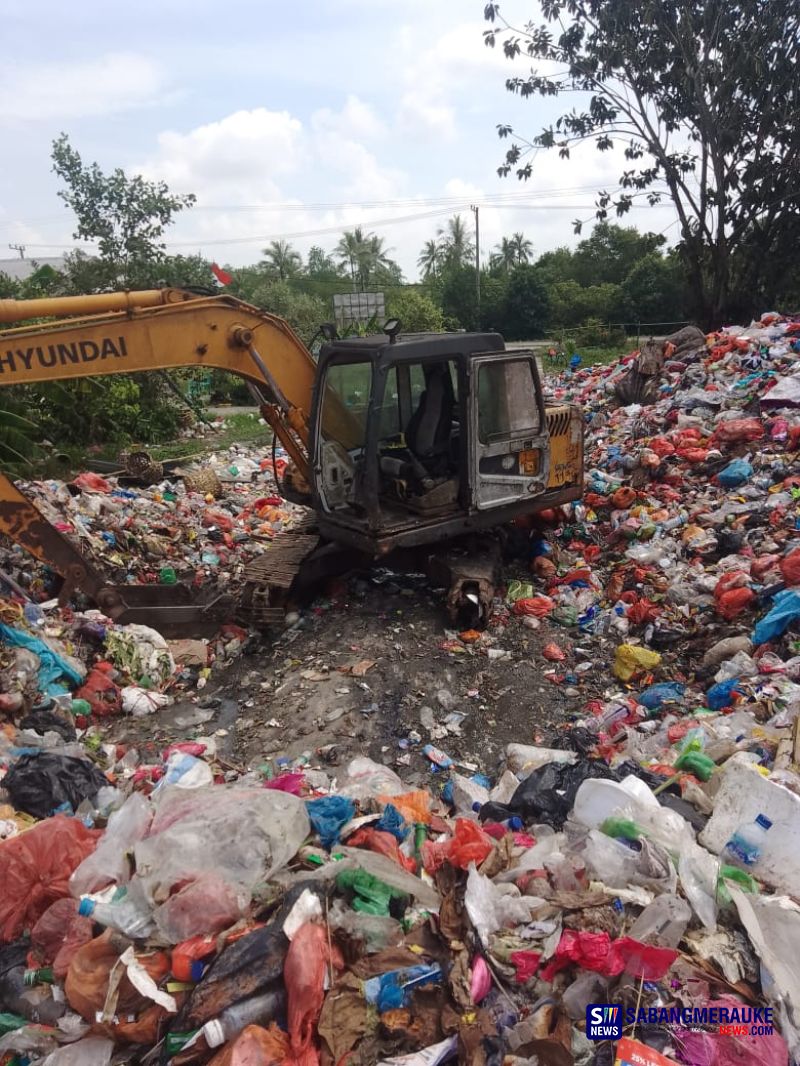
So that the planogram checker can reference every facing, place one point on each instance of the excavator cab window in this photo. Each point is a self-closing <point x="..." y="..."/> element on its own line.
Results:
<point x="345" y="406"/>
<point x="418" y="439"/>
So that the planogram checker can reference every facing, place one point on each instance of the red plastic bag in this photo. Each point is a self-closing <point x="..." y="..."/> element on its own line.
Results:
<point x="790" y="567"/>
<point x="468" y="844"/>
<point x="693" y="455"/>
<point x="534" y="606"/>
<point x="383" y="844"/>
<point x="304" y="977"/>
<point x="732" y="594"/>
<point x="643" y="611"/>
<point x="738" y="431"/>
<point x="760" y="567"/>
<point x="526" y="963"/>
<point x="662" y="447"/>
<point x="92" y="482"/>
<point x="597" y="952"/>
<point x="100" y="692"/>
<point x="35" y="868"/>
<point x="59" y="933"/>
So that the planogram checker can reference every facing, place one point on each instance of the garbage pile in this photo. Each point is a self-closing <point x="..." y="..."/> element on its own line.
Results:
<point x="623" y="890"/>
<point x="200" y="524"/>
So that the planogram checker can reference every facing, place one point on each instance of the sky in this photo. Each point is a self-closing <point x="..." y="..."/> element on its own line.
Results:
<point x="286" y="121"/>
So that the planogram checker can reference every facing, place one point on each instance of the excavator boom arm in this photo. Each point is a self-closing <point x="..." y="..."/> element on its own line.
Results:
<point x="124" y="333"/>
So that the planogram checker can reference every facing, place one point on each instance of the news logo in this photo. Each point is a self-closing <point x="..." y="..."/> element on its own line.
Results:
<point x="604" y="1021"/>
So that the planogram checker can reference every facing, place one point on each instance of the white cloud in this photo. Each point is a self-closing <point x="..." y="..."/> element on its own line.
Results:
<point x="117" y="81"/>
<point x="356" y="119"/>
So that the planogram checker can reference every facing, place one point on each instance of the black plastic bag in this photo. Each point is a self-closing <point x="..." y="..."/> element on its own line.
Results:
<point x="548" y="794"/>
<point x="39" y="784"/>
<point x="44" y="721"/>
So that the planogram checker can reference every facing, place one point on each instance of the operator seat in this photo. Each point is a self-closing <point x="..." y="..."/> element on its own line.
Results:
<point x="430" y="426"/>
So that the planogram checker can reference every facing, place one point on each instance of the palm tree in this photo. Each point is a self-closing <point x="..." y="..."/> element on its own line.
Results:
<point x="283" y="260"/>
<point x="523" y="248"/>
<point x="365" y="253"/>
<point x="505" y="256"/>
<point x="349" y="251"/>
<point x="457" y="243"/>
<point x="429" y="259"/>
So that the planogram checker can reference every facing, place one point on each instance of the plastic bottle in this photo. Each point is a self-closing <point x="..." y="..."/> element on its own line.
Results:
<point x="745" y="846"/>
<point x="258" y="1010"/>
<point x="662" y="922"/>
<point x="130" y="915"/>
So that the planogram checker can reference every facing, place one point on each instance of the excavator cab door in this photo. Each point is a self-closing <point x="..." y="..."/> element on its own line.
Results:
<point x="509" y="459"/>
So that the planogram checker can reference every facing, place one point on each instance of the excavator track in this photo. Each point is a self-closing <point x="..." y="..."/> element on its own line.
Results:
<point x="267" y="580"/>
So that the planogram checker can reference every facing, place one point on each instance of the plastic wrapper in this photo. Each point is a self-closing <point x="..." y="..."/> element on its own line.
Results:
<point x="35" y="868"/>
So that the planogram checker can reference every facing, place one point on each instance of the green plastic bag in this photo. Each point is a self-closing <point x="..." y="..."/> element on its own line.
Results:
<point x="370" y="895"/>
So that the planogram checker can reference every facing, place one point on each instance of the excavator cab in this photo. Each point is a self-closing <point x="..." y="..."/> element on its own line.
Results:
<point x="447" y="434"/>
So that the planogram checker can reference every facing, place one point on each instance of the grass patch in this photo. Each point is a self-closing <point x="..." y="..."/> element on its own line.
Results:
<point x="239" y="429"/>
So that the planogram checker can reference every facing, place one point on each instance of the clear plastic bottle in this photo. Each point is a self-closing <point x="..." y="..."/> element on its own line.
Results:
<point x="745" y="846"/>
<point x="257" y="1010"/>
<point x="130" y="915"/>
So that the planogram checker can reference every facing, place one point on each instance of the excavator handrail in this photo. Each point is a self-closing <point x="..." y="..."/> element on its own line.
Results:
<point x="98" y="303"/>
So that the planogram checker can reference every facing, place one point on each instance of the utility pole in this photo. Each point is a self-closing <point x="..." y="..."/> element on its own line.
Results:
<point x="18" y="248"/>
<point x="474" y="209"/>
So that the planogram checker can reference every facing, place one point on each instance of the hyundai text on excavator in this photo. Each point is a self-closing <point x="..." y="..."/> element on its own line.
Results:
<point x="397" y="442"/>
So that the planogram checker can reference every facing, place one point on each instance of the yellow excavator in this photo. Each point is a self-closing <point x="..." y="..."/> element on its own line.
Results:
<point x="398" y="442"/>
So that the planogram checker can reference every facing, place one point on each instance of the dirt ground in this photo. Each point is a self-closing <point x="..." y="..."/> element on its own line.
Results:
<point x="355" y="676"/>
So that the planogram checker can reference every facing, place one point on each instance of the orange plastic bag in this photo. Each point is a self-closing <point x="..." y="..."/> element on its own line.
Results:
<point x="468" y="844"/>
<point x="86" y="986"/>
<point x="624" y="498"/>
<point x="383" y="844"/>
<point x="254" y="1046"/>
<point x="415" y="807"/>
<point x="534" y="606"/>
<point x="35" y="868"/>
<point x="738" y="431"/>
<point x="553" y="653"/>
<point x="304" y="977"/>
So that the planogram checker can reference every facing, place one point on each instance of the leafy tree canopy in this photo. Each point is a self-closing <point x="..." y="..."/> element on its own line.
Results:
<point x="702" y="97"/>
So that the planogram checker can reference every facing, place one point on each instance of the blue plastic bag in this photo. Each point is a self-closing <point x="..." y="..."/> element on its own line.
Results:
<point x="391" y="990"/>
<point x="721" y="694"/>
<point x="653" y="697"/>
<point x="51" y="666"/>
<point x="785" y="608"/>
<point x="327" y="816"/>
<point x="392" y="821"/>
<point x="735" y="473"/>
